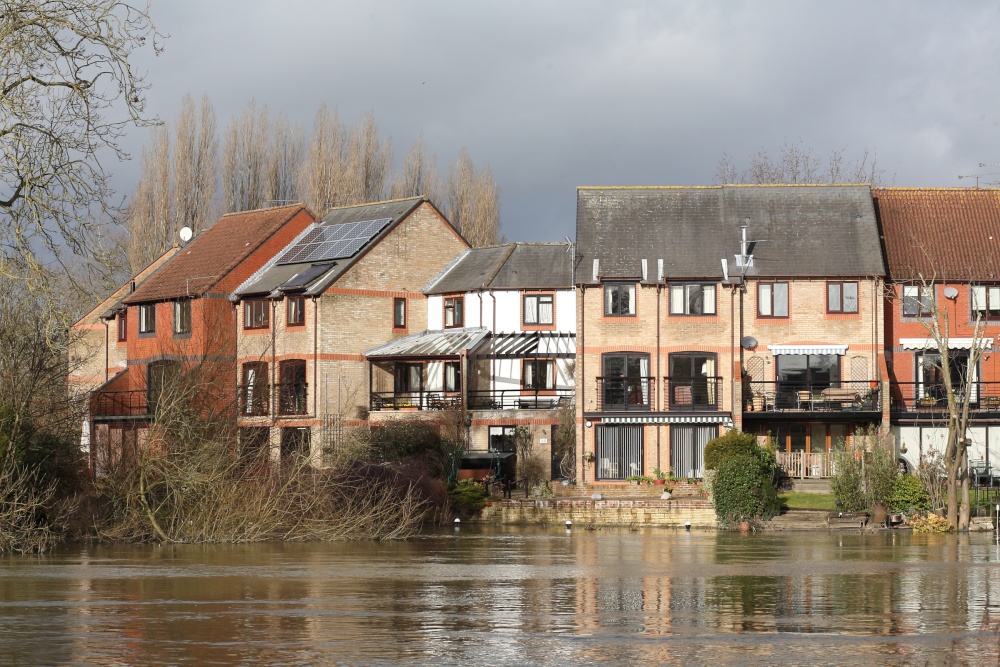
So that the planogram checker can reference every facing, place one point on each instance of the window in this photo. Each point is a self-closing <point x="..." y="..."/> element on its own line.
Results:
<point x="399" y="313"/>
<point x="502" y="439"/>
<point x="182" y="316"/>
<point x="772" y="299"/>
<point x="842" y="297"/>
<point x="453" y="376"/>
<point x="162" y="378"/>
<point x="810" y="372"/>
<point x="453" y="311"/>
<point x="255" y="314"/>
<point x="693" y="381"/>
<point x="538" y="309"/>
<point x="692" y="299"/>
<point x="122" y="326"/>
<point x="292" y="389"/>
<point x="618" y="451"/>
<point x="918" y="300"/>
<point x="408" y="378"/>
<point x="985" y="301"/>
<point x="619" y="300"/>
<point x="296" y="310"/>
<point x="147" y="318"/>
<point x="687" y="448"/>
<point x="538" y="375"/>
<point x="254" y="390"/>
<point x="626" y="383"/>
<point x="930" y="374"/>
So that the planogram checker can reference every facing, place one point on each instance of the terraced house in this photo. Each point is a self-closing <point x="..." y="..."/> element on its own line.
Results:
<point x="499" y="347"/>
<point x="346" y="283"/>
<point x="784" y="341"/>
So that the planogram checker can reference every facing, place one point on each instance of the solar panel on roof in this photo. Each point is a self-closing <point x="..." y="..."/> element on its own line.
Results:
<point x="333" y="241"/>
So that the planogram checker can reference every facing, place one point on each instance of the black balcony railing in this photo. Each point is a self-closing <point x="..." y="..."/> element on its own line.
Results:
<point x="616" y="394"/>
<point x="255" y="400"/>
<point x="414" y="400"/>
<point x="843" y="396"/>
<point x="519" y="399"/>
<point x="292" y="398"/>
<point x="922" y="398"/>
<point x="699" y="393"/>
<point x="110" y="404"/>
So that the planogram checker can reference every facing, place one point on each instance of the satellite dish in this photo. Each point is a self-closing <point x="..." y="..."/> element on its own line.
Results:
<point x="950" y="292"/>
<point x="748" y="342"/>
<point x="186" y="234"/>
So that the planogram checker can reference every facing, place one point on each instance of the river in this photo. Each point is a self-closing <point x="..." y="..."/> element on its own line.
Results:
<point x="513" y="597"/>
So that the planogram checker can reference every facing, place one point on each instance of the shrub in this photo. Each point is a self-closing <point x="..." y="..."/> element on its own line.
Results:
<point x="733" y="443"/>
<point x="846" y="481"/>
<point x="930" y="523"/>
<point x="744" y="490"/>
<point x="908" y="493"/>
<point x="467" y="498"/>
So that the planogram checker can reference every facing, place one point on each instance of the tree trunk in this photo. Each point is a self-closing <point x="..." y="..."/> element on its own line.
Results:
<point x="966" y="509"/>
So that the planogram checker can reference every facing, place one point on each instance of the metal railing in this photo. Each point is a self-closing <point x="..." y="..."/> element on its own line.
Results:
<point x="615" y="394"/>
<point x="414" y="400"/>
<point x="926" y="398"/>
<point x="519" y="399"/>
<point x="128" y="403"/>
<point x="699" y="393"/>
<point x="255" y="400"/>
<point x="844" y="396"/>
<point x="293" y="398"/>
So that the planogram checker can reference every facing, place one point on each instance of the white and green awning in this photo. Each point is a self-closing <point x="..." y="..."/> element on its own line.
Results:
<point x="808" y="349"/>
<point x="724" y="419"/>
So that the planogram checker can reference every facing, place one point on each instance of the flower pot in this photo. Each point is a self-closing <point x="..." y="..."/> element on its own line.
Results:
<point x="744" y="527"/>
<point x="659" y="482"/>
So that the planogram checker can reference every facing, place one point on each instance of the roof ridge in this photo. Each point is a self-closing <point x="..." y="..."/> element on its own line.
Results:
<point x="265" y="208"/>
<point x="376" y="203"/>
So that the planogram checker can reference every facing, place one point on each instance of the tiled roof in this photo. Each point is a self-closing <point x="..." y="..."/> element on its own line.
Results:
<point x="944" y="234"/>
<point x="114" y="300"/>
<point x="209" y="258"/>
<point x="804" y="230"/>
<point x="511" y="266"/>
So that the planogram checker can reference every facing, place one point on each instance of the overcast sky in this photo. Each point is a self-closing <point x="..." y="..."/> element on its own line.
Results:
<point x="554" y="95"/>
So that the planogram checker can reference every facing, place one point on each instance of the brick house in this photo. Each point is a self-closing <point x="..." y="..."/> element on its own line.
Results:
<point x="670" y="350"/>
<point x="941" y="259"/>
<point x="345" y="284"/>
<point x="499" y="347"/>
<point x="180" y="320"/>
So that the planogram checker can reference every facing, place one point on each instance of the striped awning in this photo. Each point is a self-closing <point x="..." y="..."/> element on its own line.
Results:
<point x="953" y="343"/>
<point x="724" y="419"/>
<point x="808" y="349"/>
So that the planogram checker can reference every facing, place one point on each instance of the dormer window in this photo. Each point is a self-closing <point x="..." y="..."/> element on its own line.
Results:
<point x="619" y="299"/>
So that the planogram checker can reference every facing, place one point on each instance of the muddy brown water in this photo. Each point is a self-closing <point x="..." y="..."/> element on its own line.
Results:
<point x="513" y="597"/>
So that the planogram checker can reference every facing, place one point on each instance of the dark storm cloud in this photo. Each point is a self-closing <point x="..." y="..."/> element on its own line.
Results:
<point x="555" y="95"/>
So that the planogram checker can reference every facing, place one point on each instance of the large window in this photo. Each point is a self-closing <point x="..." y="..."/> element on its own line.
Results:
<point x="147" y="318"/>
<point x="985" y="301"/>
<point x="399" y="313"/>
<point x="454" y="311"/>
<point x="538" y="374"/>
<point x="808" y="371"/>
<point x="693" y="381"/>
<point x="408" y="378"/>
<point x="692" y="299"/>
<point x="256" y="314"/>
<point x="772" y="299"/>
<point x="618" y="451"/>
<point x="182" y="316"/>
<point x="293" y="387"/>
<point x="502" y="439"/>
<point x="930" y="374"/>
<point x="162" y="378"/>
<point x="918" y="300"/>
<point x="842" y="297"/>
<point x="296" y="310"/>
<point x="538" y="309"/>
<point x="619" y="299"/>
<point x="254" y="391"/>
<point x="687" y="448"/>
<point x="453" y="376"/>
<point x="626" y="381"/>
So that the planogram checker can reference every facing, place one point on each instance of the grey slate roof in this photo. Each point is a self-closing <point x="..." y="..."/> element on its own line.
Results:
<point x="805" y="230"/>
<point x="442" y="343"/>
<point x="272" y="275"/>
<point x="511" y="266"/>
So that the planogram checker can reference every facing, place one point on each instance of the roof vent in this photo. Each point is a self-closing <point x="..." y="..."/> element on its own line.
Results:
<point x="645" y="271"/>
<point x="597" y="269"/>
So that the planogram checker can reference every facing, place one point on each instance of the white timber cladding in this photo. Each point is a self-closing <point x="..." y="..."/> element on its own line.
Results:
<point x="921" y="441"/>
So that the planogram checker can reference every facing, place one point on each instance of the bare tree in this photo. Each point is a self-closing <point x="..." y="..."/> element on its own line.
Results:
<point x="149" y="221"/>
<point x="419" y="176"/>
<point x="196" y="157"/>
<point x="69" y="94"/>
<point x="474" y="202"/>
<point x="797" y="163"/>
<point x="245" y="160"/>
<point x="287" y="157"/>
<point x="368" y="162"/>
<point x="323" y="178"/>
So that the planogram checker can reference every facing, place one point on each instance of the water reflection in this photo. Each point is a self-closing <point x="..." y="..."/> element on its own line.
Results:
<point x="513" y="598"/>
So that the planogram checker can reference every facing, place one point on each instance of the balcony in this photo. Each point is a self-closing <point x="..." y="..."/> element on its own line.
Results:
<point x="920" y="400"/>
<point x="621" y="394"/>
<point x="255" y="400"/>
<point x="292" y="398"/>
<point x="111" y="405"/>
<point x="691" y="394"/>
<point x="414" y="400"/>
<point x="791" y="397"/>
<point x="487" y="399"/>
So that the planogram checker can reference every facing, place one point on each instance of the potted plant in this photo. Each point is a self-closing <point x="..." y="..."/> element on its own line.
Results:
<point x="588" y="457"/>
<point x="659" y="478"/>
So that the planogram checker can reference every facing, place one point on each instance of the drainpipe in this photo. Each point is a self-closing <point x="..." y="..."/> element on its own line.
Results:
<point x="658" y="371"/>
<point x="274" y="399"/>
<point x="581" y="388"/>
<point x="107" y="350"/>
<point x="732" y="359"/>
<point x="316" y="364"/>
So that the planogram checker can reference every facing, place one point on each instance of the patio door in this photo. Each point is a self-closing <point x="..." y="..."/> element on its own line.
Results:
<point x="687" y="448"/>
<point x="619" y="451"/>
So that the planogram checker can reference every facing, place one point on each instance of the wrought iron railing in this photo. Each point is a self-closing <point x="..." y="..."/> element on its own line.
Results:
<point x="414" y="400"/>
<point x="616" y="394"/>
<point x="699" y="393"/>
<point x="519" y="399"/>
<point x="923" y="398"/>
<point x="844" y="396"/>
<point x="128" y="403"/>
